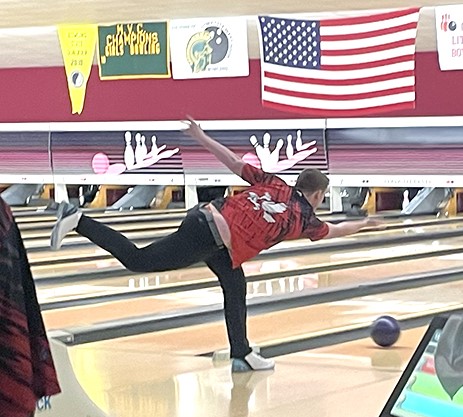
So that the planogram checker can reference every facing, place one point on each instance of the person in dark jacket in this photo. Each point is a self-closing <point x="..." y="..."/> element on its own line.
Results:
<point x="27" y="371"/>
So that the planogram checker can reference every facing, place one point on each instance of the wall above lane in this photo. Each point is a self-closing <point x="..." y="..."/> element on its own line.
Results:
<point x="41" y="95"/>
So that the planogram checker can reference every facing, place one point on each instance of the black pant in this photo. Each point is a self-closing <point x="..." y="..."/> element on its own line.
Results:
<point x="191" y="243"/>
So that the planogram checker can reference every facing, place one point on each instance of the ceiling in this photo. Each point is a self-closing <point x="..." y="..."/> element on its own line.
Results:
<point x="28" y="36"/>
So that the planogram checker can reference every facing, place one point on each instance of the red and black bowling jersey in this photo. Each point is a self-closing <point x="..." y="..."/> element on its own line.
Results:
<point x="266" y="213"/>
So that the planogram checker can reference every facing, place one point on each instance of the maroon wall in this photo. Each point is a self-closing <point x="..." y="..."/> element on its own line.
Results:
<point x="41" y="95"/>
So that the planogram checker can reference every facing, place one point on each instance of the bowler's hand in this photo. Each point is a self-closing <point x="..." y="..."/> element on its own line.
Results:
<point x="191" y="127"/>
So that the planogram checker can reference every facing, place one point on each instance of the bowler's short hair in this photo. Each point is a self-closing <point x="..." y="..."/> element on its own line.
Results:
<point x="311" y="180"/>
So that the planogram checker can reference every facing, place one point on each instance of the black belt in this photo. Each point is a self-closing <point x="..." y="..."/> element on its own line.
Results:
<point x="212" y="226"/>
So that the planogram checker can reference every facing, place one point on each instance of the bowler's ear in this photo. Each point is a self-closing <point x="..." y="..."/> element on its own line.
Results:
<point x="320" y="194"/>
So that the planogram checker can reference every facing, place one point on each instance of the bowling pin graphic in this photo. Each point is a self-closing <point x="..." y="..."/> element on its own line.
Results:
<point x="143" y="149"/>
<point x="289" y="147"/>
<point x="154" y="146"/>
<point x="298" y="140"/>
<point x="129" y="157"/>
<point x="138" y="150"/>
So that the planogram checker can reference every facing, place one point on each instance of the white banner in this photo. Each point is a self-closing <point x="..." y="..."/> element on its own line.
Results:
<point x="209" y="48"/>
<point x="449" y="30"/>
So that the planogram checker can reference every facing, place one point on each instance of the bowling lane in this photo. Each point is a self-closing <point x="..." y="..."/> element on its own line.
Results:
<point x="41" y="241"/>
<point x="47" y="216"/>
<point x="69" y="252"/>
<point x="310" y="270"/>
<point x="349" y="379"/>
<point x="72" y="252"/>
<point x="42" y="224"/>
<point x="46" y="219"/>
<point x="264" y="329"/>
<point x="42" y="234"/>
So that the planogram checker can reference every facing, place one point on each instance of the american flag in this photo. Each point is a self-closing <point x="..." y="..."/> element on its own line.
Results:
<point x="348" y="66"/>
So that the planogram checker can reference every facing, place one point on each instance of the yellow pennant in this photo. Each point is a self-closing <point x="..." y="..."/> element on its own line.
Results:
<point x="78" y="48"/>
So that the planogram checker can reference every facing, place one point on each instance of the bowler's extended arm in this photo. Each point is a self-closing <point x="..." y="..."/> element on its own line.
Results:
<point x="222" y="153"/>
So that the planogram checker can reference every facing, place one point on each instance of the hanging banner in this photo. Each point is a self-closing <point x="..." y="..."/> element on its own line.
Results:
<point x="207" y="48"/>
<point x="449" y="30"/>
<point x="134" y="50"/>
<point x="78" y="49"/>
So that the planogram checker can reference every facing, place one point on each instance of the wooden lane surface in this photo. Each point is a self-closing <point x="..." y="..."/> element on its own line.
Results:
<point x="129" y="282"/>
<point x="284" y="325"/>
<point x="401" y="226"/>
<point x="42" y="245"/>
<point x="49" y="217"/>
<point x="41" y="241"/>
<point x="350" y="379"/>
<point x="36" y="227"/>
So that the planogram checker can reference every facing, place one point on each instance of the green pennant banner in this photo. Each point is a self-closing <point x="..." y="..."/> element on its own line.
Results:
<point x="134" y="50"/>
